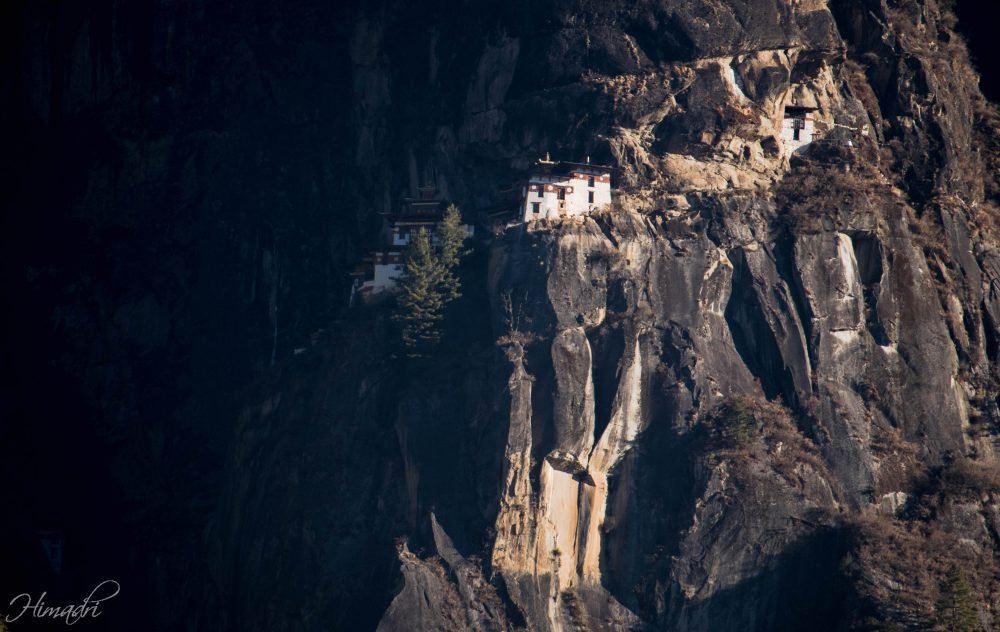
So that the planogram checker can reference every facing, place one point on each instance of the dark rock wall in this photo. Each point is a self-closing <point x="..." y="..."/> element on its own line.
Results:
<point x="760" y="381"/>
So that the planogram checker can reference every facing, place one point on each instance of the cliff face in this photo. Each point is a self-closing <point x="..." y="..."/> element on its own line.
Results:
<point x="841" y="297"/>
<point x="758" y="392"/>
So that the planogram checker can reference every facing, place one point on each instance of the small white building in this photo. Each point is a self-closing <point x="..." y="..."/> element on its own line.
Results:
<point x="378" y="272"/>
<point x="381" y="270"/>
<point x="565" y="189"/>
<point x="388" y="267"/>
<point x="798" y="128"/>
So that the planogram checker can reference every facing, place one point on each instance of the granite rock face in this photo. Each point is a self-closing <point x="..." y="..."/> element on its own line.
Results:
<point x="760" y="391"/>
<point x="843" y="281"/>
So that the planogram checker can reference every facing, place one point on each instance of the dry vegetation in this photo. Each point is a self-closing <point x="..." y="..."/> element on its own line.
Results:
<point x="900" y="563"/>
<point x="986" y="216"/>
<point x="896" y="458"/>
<point x="748" y="428"/>
<point x="861" y="89"/>
<point x="820" y="194"/>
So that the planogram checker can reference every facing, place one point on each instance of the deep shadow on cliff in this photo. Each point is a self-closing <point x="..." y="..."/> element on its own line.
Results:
<point x="805" y="586"/>
<point x="189" y="406"/>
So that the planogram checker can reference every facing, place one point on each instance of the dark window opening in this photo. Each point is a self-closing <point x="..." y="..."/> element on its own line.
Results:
<point x="590" y="196"/>
<point x="590" y="181"/>
<point x="562" y="194"/>
<point x="535" y="207"/>
<point x="795" y="133"/>
<point x="540" y="192"/>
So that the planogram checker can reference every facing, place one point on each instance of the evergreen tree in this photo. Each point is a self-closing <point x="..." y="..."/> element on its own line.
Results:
<point x="430" y="281"/>
<point x="421" y="300"/>
<point x="956" y="607"/>
<point x="451" y="233"/>
<point x="738" y="423"/>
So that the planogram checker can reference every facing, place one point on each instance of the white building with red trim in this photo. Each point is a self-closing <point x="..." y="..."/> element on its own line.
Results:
<point x="565" y="189"/>
<point x="381" y="270"/>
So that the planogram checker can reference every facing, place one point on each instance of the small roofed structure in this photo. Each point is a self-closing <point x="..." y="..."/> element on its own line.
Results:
<point x="422" y="212"/>
<point x="380" y="270"/>
<point x="564" y="189"/>
<point x="377" y="273"/>
<point x="798" y="128"/>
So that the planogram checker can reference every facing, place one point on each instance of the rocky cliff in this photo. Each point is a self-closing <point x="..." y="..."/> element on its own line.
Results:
<point x="839" y="298"/>
<point x="760" y="391"/>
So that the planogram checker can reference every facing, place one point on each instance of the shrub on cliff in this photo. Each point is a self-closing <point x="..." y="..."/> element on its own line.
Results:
<point x="965" y="476"/>
<point x="766" y="430"/>
<point x="737" y="424"/>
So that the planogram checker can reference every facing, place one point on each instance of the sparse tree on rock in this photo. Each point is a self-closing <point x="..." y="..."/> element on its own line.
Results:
<point x="956" y="607"/>
<point x="451" y="233"/>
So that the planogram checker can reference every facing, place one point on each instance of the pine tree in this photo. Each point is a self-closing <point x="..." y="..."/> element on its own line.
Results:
<point x="421" y="300"/>
<point x="451" y="233"/>
<point x="430" y="281"/>
<point x="736" y="423"/>
<point x="956" y="607"/>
